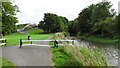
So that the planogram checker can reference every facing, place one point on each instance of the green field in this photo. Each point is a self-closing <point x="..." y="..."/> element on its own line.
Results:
<point x="13" y="39"/>
<point x="35" y="31"/>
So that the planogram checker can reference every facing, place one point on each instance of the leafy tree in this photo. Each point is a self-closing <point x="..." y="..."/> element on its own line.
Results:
<point x="105" y="28"/>
<point x="70" y="27"/>
<point x="50" y="22"/>
<point x="118" y="23"/>
<point x="8" y="17"/>
<point x="0" y="20"/>
<point x="84" y="19"/>
<point x="96" y="19"/>
<point x="102" y="18"/>
<point x="117" y="27"/>
<point x="101" y="12"/>
<point x="63" y="21"/>
<point x="73" y="26"/>
<point x="53" y="23"/>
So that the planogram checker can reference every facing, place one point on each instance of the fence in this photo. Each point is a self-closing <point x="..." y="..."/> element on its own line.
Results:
<point x="55" y="41"/>
<point x="3" y="42"/>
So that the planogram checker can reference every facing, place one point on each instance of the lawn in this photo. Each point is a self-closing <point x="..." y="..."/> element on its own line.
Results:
<point x="13" y="39"/>
<point x="5" y="62"/>
<point x="35" y="31"/>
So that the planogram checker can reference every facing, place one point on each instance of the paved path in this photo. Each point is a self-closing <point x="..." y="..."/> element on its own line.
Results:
<point x="29" y="55"/>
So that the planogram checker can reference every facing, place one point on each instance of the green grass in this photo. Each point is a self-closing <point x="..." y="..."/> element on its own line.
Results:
<point x="65" y="55"/>
<point x="59" y="56"/>
<point x="35" y="31"/>
<point x="101" y="40"/>
<point x="13" y="39"/>
<point x="72" y="56"/>
<point x="5" y="62"/>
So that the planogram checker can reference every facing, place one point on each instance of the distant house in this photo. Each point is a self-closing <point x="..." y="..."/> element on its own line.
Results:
<point x="19" y="30"/>
<point x="25" y="27"/>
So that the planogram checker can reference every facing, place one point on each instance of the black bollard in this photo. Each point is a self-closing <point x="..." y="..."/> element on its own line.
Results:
<point x="29" y="37"/>
<point x="20" y="43"/>
<point x="31" y="42"/>
<point x="56" y="43"/>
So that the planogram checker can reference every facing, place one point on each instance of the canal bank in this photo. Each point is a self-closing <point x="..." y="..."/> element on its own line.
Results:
<point x="76" y="54"/>
<point x="110" y="50"/>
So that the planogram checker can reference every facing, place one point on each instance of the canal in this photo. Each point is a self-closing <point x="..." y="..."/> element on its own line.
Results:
<point x="110" y="50"/>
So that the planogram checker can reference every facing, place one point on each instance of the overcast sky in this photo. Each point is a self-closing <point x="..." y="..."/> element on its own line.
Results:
<point x="32" y="11"/>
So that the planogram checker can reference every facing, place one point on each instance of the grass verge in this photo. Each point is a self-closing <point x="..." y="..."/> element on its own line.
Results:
<point x="13" y="39"/>
<point x="100" y="40"/>
<point x="66" y="55"/>
<point x="5" y="62"/>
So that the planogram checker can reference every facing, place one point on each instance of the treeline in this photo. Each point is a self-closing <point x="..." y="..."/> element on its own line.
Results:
<point x="53" y="23"/>
<point x="97" y="19"/>
<point x="8" y="17"/>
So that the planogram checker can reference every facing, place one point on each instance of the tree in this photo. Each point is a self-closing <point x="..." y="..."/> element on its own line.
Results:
<point x="73" y="26"/>
<point x="70" y="27"/>
<point x="105" y="28"/>
<point x="53" y="23"/>
<point x="50" y="22"/>
<point x="101" y="11"/>
<point x="84" y="20"/>
<point x="96" y="19"/>
<point x="63" y="21"/>
<point x="101" y="17"/>
<point x="8" y="17"/>
<point x="118" y="24"/>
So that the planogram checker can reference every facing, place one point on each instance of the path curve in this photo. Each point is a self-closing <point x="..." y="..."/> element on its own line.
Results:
<point x="29" y="55"/>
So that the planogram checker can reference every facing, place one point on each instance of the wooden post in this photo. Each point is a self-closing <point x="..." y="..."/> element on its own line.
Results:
<point x="73" y="42"/>
<point x="5" y="42"/>
<point x="54" y="43"/>
<point x="2" y="41"/>
<point x="20" y="43"/>
<point x="31" y="42"/>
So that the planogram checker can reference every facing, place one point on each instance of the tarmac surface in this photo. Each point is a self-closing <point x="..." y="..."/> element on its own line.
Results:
<point x="29" y="55"/>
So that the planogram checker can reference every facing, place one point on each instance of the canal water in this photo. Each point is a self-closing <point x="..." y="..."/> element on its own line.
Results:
<point x="111" y="51"/>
